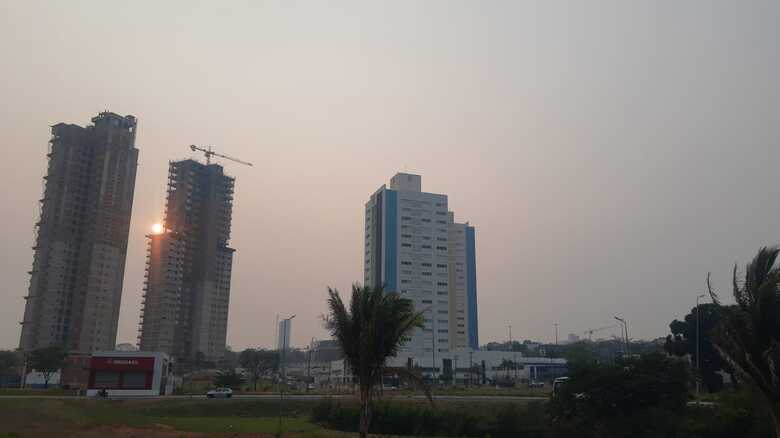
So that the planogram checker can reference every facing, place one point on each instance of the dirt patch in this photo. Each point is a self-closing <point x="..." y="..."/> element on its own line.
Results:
<point x="161" y="431"/>
<point x="156" y="431"/>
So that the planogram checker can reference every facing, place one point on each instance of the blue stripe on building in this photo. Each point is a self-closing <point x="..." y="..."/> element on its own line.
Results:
<point x="471" y="288"/>
<point x="391" y="240"/>
<point x="377" y="239"/>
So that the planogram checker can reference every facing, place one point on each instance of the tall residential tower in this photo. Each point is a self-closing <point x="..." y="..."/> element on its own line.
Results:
<point x="81" y="237"/>
<point x="187" y="291"/>
<point x="414" y="247"/>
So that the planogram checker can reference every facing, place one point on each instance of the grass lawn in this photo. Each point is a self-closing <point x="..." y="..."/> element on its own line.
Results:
<point x="40" y="418"/>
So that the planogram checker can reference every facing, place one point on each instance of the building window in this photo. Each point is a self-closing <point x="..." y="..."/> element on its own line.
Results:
<point x="106" y="379"/>
<point x="134" y="380"/>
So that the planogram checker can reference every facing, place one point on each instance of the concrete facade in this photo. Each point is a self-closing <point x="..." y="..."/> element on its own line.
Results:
<point x="414" y="247"/>
<point x="81" y="237"/>
<point x="189" y="264"/>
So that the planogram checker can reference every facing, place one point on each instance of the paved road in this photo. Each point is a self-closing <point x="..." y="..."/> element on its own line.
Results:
<point x="483" y="398"/>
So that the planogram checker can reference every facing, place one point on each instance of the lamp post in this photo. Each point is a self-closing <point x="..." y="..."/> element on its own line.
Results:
<point x="455" y="372"/>
<point x="624" y="324"/>
<point x="556" y="333"/>
<point x="433" y="349"/>
<point x="283" y="374"/>
<point x="698" y="362"/>
<point x="471" y="365"/>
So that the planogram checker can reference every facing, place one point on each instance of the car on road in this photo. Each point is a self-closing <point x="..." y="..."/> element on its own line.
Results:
<point x="535" y="384"/>
<point x="220" y="393"/>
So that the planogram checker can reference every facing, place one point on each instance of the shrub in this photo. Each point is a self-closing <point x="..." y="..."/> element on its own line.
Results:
<point x="444" y="419"/>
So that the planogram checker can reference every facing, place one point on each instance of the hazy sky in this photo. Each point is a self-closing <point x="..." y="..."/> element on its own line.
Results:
<point x="609" y="153"/>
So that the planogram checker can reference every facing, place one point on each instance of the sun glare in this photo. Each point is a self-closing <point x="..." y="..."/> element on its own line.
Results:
<point x="157" y="228"/>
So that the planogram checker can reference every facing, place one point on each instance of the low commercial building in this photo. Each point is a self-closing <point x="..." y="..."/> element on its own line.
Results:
<point x="467" y="367"/>
<point x="131" y="373"/>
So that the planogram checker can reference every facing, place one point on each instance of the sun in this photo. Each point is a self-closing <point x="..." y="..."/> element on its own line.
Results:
<point x="157" y="228"/>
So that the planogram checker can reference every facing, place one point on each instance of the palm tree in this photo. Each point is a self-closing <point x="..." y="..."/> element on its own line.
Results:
<point x="749" y="335"/>
<point x="370" y="331"/>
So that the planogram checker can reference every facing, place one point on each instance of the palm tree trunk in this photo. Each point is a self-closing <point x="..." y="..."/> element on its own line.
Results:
<point x="365" y="410"/>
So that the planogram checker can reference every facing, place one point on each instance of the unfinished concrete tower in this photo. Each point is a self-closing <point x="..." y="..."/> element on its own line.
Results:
<point x="187" y="292"/>
<point x="81" y="237"/>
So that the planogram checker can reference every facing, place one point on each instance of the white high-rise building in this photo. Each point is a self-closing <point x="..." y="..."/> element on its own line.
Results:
<point x="414" y="247"/>
<point x="284" y="333"/>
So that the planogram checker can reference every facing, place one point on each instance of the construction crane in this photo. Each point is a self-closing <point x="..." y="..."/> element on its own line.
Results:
<point x="590" y="332"/>
<point x="209" y="153"/>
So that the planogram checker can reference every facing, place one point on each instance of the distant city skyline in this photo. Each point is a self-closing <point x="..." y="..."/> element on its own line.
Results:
<point x="610" y="154"/>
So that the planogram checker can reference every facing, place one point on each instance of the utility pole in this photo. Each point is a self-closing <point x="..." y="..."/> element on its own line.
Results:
<point x="282" y="359"/>
<point x="698" y="351"/>
<point x="510" y="337"/>
<point x="308" y="368"/>
<point x="455" y="372"/>
<point x="625" y="332"/>
<point x="433" y="349"/>
<point x="471" y="365"/>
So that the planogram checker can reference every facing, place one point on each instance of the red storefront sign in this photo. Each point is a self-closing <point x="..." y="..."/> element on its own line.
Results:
<point x="122" y="364"/>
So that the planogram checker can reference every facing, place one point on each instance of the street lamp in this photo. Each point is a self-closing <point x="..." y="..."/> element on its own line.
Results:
<point x="282" y="360"/>
<point x="698" y="362"/>
<point x="625" y="331"/>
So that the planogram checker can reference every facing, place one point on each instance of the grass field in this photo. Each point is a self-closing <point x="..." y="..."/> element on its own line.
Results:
<point x="40" y="418"/>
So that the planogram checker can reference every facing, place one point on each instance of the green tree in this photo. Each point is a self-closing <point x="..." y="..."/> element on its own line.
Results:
<point x="580" y="353"/>
<point x="9" y="360"/>
<point x="372" y="329"/>
<point x="748" y="336"/>
<point x="228" y="379"/>
<point x="682" y="342"/>
<point x="48" y="361"/>
<point x="230" y="358"/>
<point x="605" y="399"/>
<point x="257" y="362"/>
